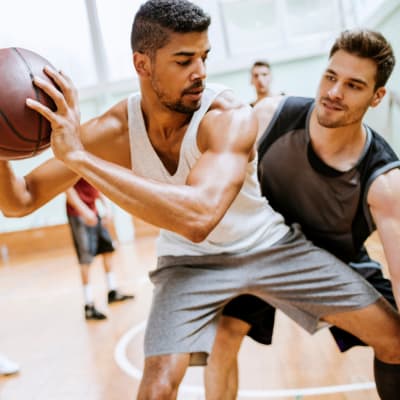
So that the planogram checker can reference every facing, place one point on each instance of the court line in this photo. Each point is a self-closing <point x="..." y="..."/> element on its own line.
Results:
<point x="57" y="292"/>
<point x="126" y="366"/>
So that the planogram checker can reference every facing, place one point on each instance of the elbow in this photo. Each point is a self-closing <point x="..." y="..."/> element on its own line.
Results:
<point x="198" y="230"/>
<point x="16" y="211"/>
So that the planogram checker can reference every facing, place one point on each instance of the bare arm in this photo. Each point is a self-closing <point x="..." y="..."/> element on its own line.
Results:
<point x="104" y="136"/>
<point x="383" y="199"/>
<point x="192" y="210"/>
<point x="264" y="110"/>
<point x="195" y="208"/>
<point x="89" y="216"/>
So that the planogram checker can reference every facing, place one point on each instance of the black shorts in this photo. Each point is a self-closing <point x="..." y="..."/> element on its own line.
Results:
<point x="261" y="316"/>
<point x="89" y="241"/>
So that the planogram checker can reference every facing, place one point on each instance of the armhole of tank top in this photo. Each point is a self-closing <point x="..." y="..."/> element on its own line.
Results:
<point x="131" y="114"/>
<point x="376" y="173"/>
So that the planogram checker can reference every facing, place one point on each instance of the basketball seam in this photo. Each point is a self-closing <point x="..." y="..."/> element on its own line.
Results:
<point x="15" y="131"/>
<point x="36" y="90"/>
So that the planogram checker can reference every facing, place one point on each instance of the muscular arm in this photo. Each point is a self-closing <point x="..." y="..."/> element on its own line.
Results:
<point x="226" y="140"/>
<point x="383" y="199"/>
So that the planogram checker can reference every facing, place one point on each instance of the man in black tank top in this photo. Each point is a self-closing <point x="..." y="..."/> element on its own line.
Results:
<point x="335" y="164"/>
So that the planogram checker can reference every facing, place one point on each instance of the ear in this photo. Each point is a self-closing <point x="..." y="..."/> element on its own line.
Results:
<point x="378" y="96"/>
<point x="141" y="63"/>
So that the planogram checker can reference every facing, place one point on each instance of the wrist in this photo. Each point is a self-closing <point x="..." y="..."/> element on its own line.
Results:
<point x="76" y="159"/>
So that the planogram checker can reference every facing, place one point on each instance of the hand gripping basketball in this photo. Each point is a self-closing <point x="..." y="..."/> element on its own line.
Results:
<point x="65" y="120"/>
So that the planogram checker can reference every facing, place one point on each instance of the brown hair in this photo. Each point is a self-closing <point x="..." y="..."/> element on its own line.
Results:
<point x="368" y="44"/>
<point x="261" y="63"/>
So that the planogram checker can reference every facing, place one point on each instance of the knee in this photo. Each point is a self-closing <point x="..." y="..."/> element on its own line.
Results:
<point x="387" y="348"/>
<point x="161" y="390"/>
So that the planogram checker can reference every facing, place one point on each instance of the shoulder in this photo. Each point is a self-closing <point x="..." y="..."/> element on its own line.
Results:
<point x="264" y="111"/>
<point x="226" y="100"/>
<point x="227" y="127"/>
<point x="384" y="191"/>
<point x="107" y="135"/>
<point x="113" y="121"/>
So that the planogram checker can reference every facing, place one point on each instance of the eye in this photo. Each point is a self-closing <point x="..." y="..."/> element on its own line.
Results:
<point x="183" y="63"/>
<point x="353" y="86"/>
<point x="330" y="78"/>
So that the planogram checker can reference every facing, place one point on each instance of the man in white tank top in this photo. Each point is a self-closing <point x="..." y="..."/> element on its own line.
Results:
<point x="181" y="156"/>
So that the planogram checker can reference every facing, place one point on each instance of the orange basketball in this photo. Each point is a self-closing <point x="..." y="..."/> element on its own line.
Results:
<point x="23" y="132"/>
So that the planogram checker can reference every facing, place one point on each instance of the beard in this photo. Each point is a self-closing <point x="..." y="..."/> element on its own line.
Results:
<point x="346" y="118"/>
<point x="178" y="105"/>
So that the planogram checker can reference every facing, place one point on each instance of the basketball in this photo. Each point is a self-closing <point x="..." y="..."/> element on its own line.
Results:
<point x="23" y="132"/>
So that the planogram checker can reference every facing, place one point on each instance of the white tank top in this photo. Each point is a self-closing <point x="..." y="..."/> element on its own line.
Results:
<point x="250" y="224"/>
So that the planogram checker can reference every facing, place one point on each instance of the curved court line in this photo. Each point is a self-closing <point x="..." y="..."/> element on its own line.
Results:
<point x="126" y="366"/>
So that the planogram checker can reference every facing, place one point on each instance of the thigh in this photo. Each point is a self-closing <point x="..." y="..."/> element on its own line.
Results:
<point x="376" y="325"/>
<point x="81" y="238"/>
<point x="187" y="302"/>
<point x="307" y="283"/>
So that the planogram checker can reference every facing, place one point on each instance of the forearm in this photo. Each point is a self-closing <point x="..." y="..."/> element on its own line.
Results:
<point x="180" y="208"/>
<point x="20" y="196"/>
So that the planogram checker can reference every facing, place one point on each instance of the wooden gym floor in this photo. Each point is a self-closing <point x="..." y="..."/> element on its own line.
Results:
<point x="63" y="357"/>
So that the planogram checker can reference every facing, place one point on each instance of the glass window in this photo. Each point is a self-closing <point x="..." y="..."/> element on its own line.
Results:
<point x="250" y="25"/>
<point x="56" y="30"/>
<point x="116" y="23"/>
<point x="305" y="17"/>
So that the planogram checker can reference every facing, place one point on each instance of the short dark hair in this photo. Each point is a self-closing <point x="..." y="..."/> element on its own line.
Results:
<point x="156" y="19"/>
<point x="261" y="63"/>
<point x="368" y="44"/>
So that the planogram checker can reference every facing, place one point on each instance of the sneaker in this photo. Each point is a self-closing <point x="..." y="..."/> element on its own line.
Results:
<point x="8" y="367"/>
<point x="92" y="313"/>
<point x="115" y="296"/>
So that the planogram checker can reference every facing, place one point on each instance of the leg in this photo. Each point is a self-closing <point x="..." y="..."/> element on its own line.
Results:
<point x="106" y="249"/>
<point x="221" y="373"/>
<point x="108" y="262"/>
<point x="377" y="325"/>
<point x="162" y="376"/>
<point x="85" y="274"/>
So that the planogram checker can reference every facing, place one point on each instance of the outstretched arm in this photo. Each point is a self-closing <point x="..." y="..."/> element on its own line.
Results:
<point x="383" y="199"/>
<point x="226" y="139"/>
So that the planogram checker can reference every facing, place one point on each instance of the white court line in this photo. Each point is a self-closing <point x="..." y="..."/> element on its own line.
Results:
<point x="126" y="366"/>
<point x="56" y="292"/>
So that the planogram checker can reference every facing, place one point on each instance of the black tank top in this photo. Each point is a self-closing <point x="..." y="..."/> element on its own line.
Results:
<point x="330" y="205"/>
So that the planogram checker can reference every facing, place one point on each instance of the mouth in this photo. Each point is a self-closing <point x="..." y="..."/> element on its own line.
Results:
<point x="332" y="106"/>
<point x="194" y="94"/>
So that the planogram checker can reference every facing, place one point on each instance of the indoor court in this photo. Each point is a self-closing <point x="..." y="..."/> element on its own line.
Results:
<point x="63" y="357"/>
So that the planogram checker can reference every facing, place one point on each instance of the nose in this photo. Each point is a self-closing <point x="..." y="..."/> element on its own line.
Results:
<point x="336" y="91"/>
<point x="200" y="71"/>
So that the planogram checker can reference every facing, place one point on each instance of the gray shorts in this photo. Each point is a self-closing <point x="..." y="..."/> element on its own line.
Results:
<point x="89" y="241"/>
<point x="302" y="280"/>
